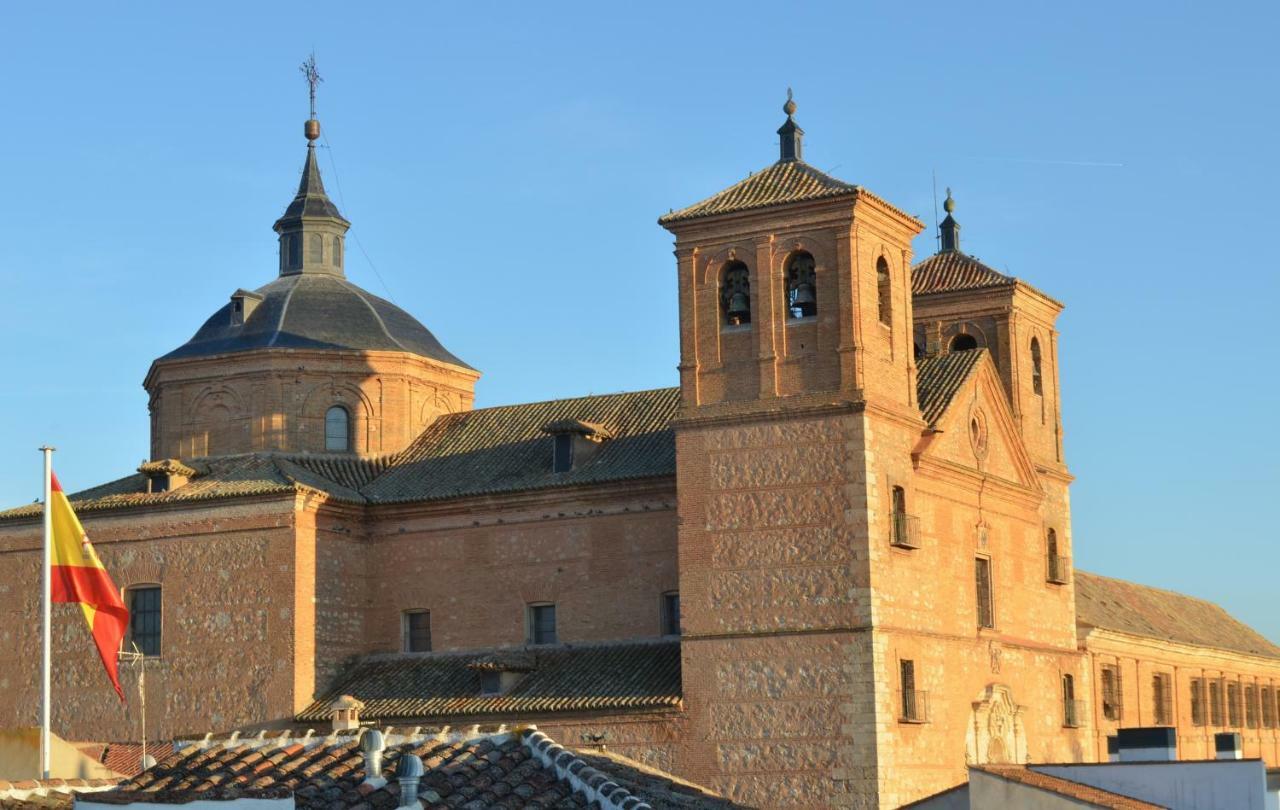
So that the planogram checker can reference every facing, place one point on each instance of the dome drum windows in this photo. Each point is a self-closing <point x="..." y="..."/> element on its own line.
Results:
<point x="337" y="430"/>
<point x="735" y="295"/>
<point x="802" y="286"/>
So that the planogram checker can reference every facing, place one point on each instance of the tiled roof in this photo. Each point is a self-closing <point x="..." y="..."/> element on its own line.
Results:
<point x="230" y="477"/>
<point x="126" y="758"/>
<point x="315" y="311"/>
<point x="1126" y="607"/>
<point x="939" y="378"/>
<point x="630" y="676"/>
<point x="505" y="449"/>
<point x="952" y="270"/>
<point x="786" y="181"/>
<point x="1091" y="796"/>
<point x="506" y="770"/>
<point x="48" y="794"/>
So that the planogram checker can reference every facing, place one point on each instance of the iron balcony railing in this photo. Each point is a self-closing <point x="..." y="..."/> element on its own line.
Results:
<point x="905" y="530"/>
<point x="1072" y="711"/>
<point x="1056" y="569"/>
<point x="915" y="707"/>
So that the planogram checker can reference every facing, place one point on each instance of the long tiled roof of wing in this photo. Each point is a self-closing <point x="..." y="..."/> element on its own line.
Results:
<point x="1140" y="610"/>
<point x="505" y="449"/>
<point x="624" y="676"/>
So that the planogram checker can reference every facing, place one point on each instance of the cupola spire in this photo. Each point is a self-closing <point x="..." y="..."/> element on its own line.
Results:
<point x="949" y="230"/>
<point x="312" y="231"/>
<point x="790" y="134"/>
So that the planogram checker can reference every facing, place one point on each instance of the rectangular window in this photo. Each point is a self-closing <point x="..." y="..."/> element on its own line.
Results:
<point x="912" y="700"/>
<point x="144" y="620"/>
<point x="982" y="576"/>
<point x="1197" y="702"/>
<point x="1251" y="706"/>
<point x="562" y="453"/>
<point x="671" y="614"/>
<point x="1268" y="707"/>
<point x="905" y="529"/>
<point x="417" y="631"/>
<point x="1070" y="708"/>
<point x="1215" y="702"/>
<point x="542" y="624"/>
<point x="1112" y="708"/>
<point x="490" y="682"/>
<point x="1162" y="698"/>
<point x="1233" y="705"/>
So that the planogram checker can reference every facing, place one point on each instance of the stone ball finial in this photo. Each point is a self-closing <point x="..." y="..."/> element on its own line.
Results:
<point x="948" y="204"/>
<point x="790" y="107"/>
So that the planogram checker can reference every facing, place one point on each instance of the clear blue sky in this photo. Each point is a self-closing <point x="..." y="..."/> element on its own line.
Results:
<point x="504" y="165"/>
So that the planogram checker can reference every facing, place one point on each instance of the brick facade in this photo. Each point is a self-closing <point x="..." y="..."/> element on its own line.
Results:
<point x="826" y="510"/>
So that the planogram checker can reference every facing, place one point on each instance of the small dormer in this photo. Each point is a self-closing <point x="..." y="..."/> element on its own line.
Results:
<point x="243" y="303"/>
<point x="167" y="474"/>
<point x="575" y="442"/>
<point x="500" y="672"/>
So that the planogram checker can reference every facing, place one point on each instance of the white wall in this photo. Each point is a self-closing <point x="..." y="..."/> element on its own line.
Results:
<point x="1214" y="785"/>
<point x="231" y="804"/>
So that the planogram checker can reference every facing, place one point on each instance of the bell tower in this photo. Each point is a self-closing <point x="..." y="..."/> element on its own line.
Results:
<point x="797" y="372"/>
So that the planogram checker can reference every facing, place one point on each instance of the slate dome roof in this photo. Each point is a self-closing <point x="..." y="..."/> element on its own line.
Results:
<point x="315" y="311"/>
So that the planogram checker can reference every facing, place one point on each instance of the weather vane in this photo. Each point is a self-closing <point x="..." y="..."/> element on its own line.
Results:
<point x="308" y="69"/>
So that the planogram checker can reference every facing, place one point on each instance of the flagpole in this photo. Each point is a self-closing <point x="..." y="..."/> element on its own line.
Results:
<point x="45" y="599"/>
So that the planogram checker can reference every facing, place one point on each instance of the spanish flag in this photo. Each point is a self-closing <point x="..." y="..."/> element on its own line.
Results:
<point x="77" y="575"/>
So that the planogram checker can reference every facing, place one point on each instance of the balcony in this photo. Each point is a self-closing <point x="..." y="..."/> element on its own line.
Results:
<point x="905" y="530"/>
<point x="915" y="707"/>
<point x="1072" y="712"/>
<point x="1056" y="570"/>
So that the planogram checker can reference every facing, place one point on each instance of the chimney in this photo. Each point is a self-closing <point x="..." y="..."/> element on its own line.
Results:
<point x="371" y="745"/>
<point x="408" y="773"/>
<point x="1227" y="745"/>
<point x="1150" y="744"/>
<point x="345" y="712"/>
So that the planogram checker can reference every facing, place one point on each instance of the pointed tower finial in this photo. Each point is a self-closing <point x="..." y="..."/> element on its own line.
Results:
<point x="949" y="230"/>
<point x="308" y="68"/>
<point x="790" y="134"/>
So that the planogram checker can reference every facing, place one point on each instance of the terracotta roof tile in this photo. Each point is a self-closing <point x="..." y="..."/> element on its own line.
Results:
<point x="940" y="377"/>
<point x="126" y="758"/>
<point x="639" y="675"/>
<point x="952" y="270"/>
<point x="1095" y="797"/>
<point x="1126" y="607"/>
<point x="786" y="181"/>
<point x="505" y="449"/>
<point x="506" y="770"/>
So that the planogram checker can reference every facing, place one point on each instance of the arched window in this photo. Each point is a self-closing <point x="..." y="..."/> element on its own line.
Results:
<point x="1070" y="708"/>
<point x="337" y="429"/>
<point x="735" y="294"/>
<point x="884" y="292"/>
<point x="963" y="343"/>
<point x="337" y="251"/>
<point x="1037" y="383"/>
<point x="294" y="249"/>
<point x="802" y="286"/>
<point x="315" y="249"/>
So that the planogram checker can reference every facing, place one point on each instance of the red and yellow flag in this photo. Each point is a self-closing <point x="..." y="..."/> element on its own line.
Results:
<point x="78" y="576"/>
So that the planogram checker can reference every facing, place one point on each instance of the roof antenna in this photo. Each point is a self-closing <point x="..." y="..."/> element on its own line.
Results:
<point x="937" y="232"/>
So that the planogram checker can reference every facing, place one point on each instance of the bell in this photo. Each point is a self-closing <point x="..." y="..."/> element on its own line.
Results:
<point x="804" y="300"/>
<point x="739" y="308"/>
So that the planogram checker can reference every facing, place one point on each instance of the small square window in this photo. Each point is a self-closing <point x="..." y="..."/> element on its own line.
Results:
<point x="542" y="624"/>
<point x="490" y="682"/>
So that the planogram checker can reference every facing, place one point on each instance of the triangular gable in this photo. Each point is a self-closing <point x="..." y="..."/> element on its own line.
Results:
<point x="975" y="429"/>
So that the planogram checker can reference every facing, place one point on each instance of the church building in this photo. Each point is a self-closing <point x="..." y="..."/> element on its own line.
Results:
<point x="832" y="567"/>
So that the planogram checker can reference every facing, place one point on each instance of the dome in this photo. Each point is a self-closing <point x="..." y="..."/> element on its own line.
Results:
<point x="315" y="311"/>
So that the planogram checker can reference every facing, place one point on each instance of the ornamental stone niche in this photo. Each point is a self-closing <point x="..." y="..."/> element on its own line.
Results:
<point x="263" y="370"/>
<point x="996" y="733"/>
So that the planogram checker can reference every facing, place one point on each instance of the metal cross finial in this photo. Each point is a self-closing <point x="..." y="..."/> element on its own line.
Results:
<point x="308" y="69"/>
